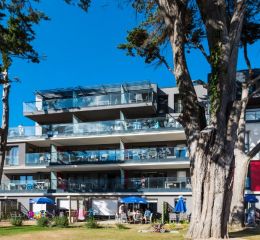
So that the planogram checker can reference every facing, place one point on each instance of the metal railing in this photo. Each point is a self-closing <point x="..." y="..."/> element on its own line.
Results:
<point x="130" y="184"/>
<point x="253" y="115"/>
<point x="88" y="101"/>
<point x="37" y="159"/>
<point x="142" y="184"/>
<point x="139" y="155"/>
<point x="11" y="161"/>
<point x="96" y="128"/>
<point x="25" y="186"/>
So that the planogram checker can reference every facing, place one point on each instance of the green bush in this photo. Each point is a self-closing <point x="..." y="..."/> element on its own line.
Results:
<point x="43" y="222"/>
<point x="121" y="226"/>
<point x="92" y="223"/>
<point x="18" y="221"/>
<point x="61" y="221"/>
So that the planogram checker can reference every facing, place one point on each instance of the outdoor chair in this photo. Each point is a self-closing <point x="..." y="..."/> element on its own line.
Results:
<point x="183" y="216"/>
<point x="123" y="218"/>
<point x="149" y="220"/>
<point x="137" y="218"/>
<point x="172" y="217"/>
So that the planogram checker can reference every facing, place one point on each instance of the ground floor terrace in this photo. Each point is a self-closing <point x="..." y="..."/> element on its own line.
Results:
<point x="101" y="205"/>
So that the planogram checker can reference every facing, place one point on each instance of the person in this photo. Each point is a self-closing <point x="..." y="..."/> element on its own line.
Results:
<point x="147" y="215"/>
<point x="143" y="182"/>
<point x="251" y="215"/>
<point x="20" y="130"/>
<point x="121" y="209"/>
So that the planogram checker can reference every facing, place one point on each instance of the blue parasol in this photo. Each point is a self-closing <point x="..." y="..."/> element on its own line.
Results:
<point x="42" y="200"/>
<point x="180" y="206"/>
<point x="133" y="200"/>
<point x="251" y="198"/>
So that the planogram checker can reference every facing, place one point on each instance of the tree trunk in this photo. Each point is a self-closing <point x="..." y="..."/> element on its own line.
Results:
<point x="211" y="191"/>
<point x="5" y="122"/>
<point x="237" y="210"/>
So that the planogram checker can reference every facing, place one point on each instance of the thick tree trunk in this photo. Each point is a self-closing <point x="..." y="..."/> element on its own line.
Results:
<point x="211" y="195"/>
<point x="5" y="122"/>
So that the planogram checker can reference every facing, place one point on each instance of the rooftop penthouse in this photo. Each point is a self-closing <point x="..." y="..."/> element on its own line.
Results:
<point x="58" y="105"/>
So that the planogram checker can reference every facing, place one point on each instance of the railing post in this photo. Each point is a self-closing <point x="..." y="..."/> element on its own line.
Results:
<point x="54" y="180"/>
<point x="54" y="154"/>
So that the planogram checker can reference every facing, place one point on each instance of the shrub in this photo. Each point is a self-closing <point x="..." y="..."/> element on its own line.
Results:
<point x="17" y="221"/>
<point x="121" y="226"/>
<point x="61" y="221"/>
<point x="43" y="222"/>
<point x="92" y="223"/>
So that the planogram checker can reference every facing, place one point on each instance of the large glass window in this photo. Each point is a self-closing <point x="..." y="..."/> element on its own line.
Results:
<point x="12" y="156"/>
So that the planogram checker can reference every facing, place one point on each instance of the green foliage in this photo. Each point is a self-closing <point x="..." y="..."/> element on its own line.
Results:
<point x="165" y="212"/>
<point x="214" y="94"/>
<point x="84" y="4"/>
<point x="121" y="226"/>
<point x="61" y="222"/>
<point x="139" y="43"/>
<point x="17" y="18"/>
<point x="92" y="223"/>
<point x="43" y="222"/>
<point x="16" y="221"/>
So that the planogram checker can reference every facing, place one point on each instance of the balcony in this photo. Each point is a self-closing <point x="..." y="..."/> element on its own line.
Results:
<point x="37" y="159"/>
<point x="95" y="128"/>
<point x="11" y="161"/>
<point x="141" y="155"/>
<point x="253" y="115"/>
<point x="83" y="101"/>
<point x="30" y="186"/>
<point x="149" y="184"/>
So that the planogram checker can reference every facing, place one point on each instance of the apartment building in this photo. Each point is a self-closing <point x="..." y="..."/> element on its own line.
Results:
<point x="90" y="146"/>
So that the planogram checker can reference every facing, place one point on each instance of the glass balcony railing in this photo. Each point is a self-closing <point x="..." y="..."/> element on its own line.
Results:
<point x="127" y="185"/>
<point x="253" y="115"/>
<point x="37" y="159"/>
<point x="96" y="128"/>
<point x="88" y="101"/>
<point x="100" y="185"/>
<point x="25" y="186"/>
<point x="142" y="155"/>
<point x="11" y="161"/>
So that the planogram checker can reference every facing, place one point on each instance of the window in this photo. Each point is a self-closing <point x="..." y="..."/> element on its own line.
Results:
<point x="177" y="103"/>
<point x="12" y="156"/>
<point x="163" y="104"/>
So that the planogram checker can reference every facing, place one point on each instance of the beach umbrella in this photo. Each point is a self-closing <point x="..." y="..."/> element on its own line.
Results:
<point x="42" y="200"/>
<point x="180" y="206"/>
<point x="133" y="199"/>
<point x="251" y="198"/>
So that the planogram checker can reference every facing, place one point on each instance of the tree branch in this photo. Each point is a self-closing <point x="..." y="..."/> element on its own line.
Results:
<point x="254" y="151"/>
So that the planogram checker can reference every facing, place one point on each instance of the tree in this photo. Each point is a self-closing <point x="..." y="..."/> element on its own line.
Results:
<point x="250" y="34"/>
<point x="17" y="18"/>
<point x="213" y="147"/>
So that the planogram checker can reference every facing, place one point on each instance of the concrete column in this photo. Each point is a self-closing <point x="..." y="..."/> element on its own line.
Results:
<point x="76" y="121"/>
<point x="54" y="153"/>
<point x="122" y="177"/>
<point x="54" y="180"/>
<point x="122" y="116"/>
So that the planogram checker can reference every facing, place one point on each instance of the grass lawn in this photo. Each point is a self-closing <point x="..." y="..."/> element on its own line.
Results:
<point x="107" y="233"/>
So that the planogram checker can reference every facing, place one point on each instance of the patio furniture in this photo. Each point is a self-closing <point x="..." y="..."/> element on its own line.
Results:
<point x="123" y="218"/>
<point x="172" y="217"/>
<point x="137" y="218"/>
<point x="149" y="219"/>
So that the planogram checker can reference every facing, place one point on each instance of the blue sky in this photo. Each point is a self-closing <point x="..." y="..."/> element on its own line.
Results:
<point x="81" y="49"/>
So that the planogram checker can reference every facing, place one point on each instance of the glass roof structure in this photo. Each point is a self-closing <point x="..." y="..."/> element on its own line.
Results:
<point x="94" y="90"/>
